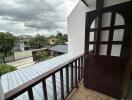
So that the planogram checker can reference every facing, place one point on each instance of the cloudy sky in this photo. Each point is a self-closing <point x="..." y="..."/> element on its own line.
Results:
<point x="29" y="17"/>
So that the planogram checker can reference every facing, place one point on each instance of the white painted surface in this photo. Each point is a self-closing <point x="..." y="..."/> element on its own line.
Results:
<point x="76" y="28"/>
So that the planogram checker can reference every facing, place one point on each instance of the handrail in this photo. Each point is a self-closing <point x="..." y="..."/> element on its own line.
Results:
<point x="77" y="62"/>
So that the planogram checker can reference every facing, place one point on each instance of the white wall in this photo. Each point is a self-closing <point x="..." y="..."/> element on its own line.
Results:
<point x="23" y="54"/>
<point x="76" y="29"/>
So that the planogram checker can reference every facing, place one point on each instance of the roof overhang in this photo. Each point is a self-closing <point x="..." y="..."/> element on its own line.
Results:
<point x="88" y="2"/>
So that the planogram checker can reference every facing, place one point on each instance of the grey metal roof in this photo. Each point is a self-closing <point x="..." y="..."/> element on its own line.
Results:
<point x="16" y="78"/>
<point x="60" y="48"/>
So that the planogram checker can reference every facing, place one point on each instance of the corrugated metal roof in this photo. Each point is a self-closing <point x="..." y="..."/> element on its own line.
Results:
<point x="60" y="48"/>
<point x="14" y="79"/>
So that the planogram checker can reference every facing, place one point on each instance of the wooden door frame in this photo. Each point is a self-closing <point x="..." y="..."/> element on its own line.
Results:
<point x="116" y="8"/>
<point x="124" y="10"/>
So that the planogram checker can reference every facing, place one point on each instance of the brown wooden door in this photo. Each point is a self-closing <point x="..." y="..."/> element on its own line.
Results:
<point x="104" y="64"/>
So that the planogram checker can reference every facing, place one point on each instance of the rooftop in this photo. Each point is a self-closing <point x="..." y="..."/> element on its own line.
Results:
<point x="60" y="48"/>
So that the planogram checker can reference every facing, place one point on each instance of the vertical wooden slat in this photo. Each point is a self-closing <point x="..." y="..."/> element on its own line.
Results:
<point x="67" y="79"/>
<point x="30" y="94"/>
<point x="78" y="69"/>
<point x="99" y="4"/>
<point x="44" y="90"/>
<point x="87" y="35"/>
<point x="72" y="75"/>
<point x="76" y="85"/>
<point x="99" y="34"/>
<point x="54" y="87"/>
<point x="62" y="84"/>
<point x="81" y="67"/>
<point x="111" y="33"/>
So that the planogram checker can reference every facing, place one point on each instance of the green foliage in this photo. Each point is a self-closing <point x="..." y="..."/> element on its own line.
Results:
<point x="7" y="42"/>
<point x="38" y="41"/>
<point x="61" y="42"/>
<point x="42" y="55"/>
<point x="6" y="68"/>
<point x="59" y="35"/>
<point x="62" y="39"/>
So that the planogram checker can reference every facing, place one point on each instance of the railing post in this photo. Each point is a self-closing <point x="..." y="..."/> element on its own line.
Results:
<point x="82" y="67"/>
<point x="54" y="87"/>
<point x="67" y="79"/>
<point x="78" y="70"/>
<point x="72" y="75"/>
<point x="76" y="85"/>
<point x="44" y="90"/>
<point x="62" y="84"/>
<point x="30" y="94"/>
<point x="34" y="55"/>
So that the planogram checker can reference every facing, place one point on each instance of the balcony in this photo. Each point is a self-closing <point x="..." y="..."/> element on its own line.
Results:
<point x="45" y="79"/>
<point x="61" y="78"/>
<point x="58" y="78"/>
<point x="52" y="79"/>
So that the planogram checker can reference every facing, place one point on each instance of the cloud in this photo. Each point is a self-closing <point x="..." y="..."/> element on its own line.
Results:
<point x="23" y="16"/>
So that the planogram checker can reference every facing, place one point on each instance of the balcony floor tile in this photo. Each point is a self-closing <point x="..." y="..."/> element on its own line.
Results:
<point x="83" y="93"/>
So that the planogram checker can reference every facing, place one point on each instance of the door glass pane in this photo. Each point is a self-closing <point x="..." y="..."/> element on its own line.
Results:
<point x="106" y="18"/>
<point x="118" y="35"/>
<point x="116" y="50"/>
<point x="119" y="20"/>
<point x="92" y="34"/>
<point x="104" y="35"/>
<point x="91" y="46"/>
<point x="94" y="23"/>
<point x="103" y="49"/>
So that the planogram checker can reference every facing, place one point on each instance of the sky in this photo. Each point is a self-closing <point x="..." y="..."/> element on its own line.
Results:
<point x="30" y="17"/>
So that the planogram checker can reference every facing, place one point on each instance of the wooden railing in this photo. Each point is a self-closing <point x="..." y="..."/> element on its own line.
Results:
<point x="72" y="80"/>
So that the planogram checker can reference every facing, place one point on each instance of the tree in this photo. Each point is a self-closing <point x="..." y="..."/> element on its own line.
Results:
<point x="7" y="42"/>
<point x="65" y="38"/>
<point x="62" y="39"/>
<point x="6" y="68"/>
<point x="38" y="41"/>
<point x="42" y="55"/>
<point x="59" y="35"/>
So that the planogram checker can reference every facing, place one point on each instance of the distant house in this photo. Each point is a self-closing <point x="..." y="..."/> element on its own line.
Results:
<point x="22" y="43"/>
<point x="58" y="50"/>
<point x="52" y="40"/>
